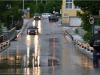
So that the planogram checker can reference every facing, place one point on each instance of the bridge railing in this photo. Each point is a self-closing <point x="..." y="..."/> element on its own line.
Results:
<point x="4" y="45"/>
<point x="8" y="35"/>
<point x="85" y="48"/>
<point x="84" y="45"/>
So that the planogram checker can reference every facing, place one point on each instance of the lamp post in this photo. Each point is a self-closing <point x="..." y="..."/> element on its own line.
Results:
<point x="36" y="2"/>
<point x="12" y="18"/>
<point x="53" y="10"/>
<point x="8" y="6"/>
<point x="23" y="5"/>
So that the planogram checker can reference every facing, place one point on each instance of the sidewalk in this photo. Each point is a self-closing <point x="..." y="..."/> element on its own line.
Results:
<point x="72" y="36"/>
<point x="71" y="31"/>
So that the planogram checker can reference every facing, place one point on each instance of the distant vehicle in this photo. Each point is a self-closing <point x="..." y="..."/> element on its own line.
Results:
<point x="53" y="18"/>
<point x="32" y="30"/>
<point x="45" y="15"/>
<point x="37" y="16"/>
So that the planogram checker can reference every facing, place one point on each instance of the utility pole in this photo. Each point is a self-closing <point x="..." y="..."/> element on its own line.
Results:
<point x="23" y="5"/>
<point x="12" y="18"/>
<point x="46" y="1"/>
<point x="41" y="1"/>
<point x="36" y="2"/>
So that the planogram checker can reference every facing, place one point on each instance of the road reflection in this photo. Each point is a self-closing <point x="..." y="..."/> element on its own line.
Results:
<point x="39" y="26"/>
<point x="35" y="55"/>
<point x="54" y="55"/>
<point x="28" y="40"/>
<point x="24" y="56"/>
<point x="36" y="59"/>
<point x="33" y="22"/>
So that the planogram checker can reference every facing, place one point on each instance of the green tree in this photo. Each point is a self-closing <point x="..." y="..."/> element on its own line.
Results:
<point x="48" y="7"/>
<point x="13" y="11"/>
<point x="88" y="8"/>
<point x="41" y="7"/>
<point x="5" y="14"/>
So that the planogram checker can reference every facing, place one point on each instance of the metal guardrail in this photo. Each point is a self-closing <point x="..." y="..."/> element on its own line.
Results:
<point x="22" y="29"/>
<point x="65" y="32"/>
<point x="83" y="47"/>
<point x="4" y="45"/>
<point x="7" y="35"/>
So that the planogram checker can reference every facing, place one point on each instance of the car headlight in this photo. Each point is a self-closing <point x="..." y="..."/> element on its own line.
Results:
<point x="28" y="30"/>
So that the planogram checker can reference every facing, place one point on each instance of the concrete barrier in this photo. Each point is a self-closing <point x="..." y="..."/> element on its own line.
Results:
<point x="85" y="48"/>
<point x="23" y="28"/>
<point x="81" y="32"/>
<point x="4" y="45"/>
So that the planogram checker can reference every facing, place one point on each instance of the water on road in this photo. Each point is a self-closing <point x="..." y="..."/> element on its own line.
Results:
<point x="47" y="53"/>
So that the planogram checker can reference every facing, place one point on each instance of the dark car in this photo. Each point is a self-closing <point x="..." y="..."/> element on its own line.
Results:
<point x="32" y="30"/>
<point x="37" y="16"/>
<point x="53" y="18"/>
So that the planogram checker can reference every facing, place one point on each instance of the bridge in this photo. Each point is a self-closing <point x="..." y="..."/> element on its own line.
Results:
<point x="11" y="34"/>
<point x="15" y="34"/>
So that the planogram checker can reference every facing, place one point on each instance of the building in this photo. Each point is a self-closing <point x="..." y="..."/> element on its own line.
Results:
<point x="69" y="11"/>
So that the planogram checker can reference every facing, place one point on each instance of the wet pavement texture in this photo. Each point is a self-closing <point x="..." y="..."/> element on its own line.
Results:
<point x="47" y="53"/>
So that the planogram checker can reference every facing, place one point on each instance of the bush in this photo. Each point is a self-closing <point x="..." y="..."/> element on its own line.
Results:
<point x="0" y="27"/>
<point x="19" y="25"/>
<point x="76" y="31"/>
<point x="86" y="37"/>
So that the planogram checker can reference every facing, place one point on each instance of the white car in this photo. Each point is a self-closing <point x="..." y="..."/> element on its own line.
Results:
<point x="45" y="15"/>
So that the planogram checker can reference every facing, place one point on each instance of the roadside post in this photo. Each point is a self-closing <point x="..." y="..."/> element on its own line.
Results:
<point x="91" y="21"/>
<point x="96" y="25"/>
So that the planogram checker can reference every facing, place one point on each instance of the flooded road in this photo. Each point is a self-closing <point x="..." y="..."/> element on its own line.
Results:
<point x="47" y="53"/>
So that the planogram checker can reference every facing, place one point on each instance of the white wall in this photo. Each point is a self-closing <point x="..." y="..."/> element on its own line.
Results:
<point x="74" y="21"/>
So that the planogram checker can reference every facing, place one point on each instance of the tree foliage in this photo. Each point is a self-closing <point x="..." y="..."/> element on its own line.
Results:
<point x="10" y="8"/>
<point x="87" y="8"/>
<point x="48" y="7"/>
<point x="91" y="7"/>
<point x="40" y="7"/>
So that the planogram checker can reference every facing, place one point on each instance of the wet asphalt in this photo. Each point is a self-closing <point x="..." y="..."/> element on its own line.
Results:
<point x="47" y="53"/>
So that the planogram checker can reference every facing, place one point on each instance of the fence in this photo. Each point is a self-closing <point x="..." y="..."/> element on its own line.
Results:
<point x="8" y="35"/>
<point x="84" y="47"/>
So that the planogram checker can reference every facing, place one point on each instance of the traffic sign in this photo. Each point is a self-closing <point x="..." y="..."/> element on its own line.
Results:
<point x="91" y="20"/>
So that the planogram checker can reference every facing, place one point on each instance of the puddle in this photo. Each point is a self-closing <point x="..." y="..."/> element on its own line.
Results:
<point x="53" y="40"/>
<point x="53" y="62"/>
<point x="32" y="57"/>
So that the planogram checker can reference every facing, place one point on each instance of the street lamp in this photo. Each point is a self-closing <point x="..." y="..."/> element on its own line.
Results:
<point x="23" y="5"/>
<point x="36" y="2"/>
<point x="12" y="18"/>
<point x="8" y="6"/>
<point x="53" y="10"/>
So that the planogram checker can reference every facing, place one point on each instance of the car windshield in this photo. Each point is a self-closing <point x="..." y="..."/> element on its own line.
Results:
<point x="49" y="14"/>
<point x="31" y="27"/>
<point x="36" y="14"/>
<point x="46" y="13"/>
<point x="52" y="15"/>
